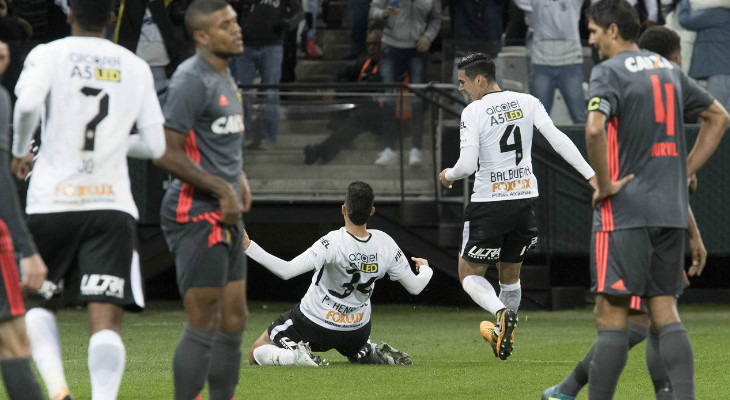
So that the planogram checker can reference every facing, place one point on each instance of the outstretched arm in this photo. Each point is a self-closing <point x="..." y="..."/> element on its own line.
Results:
<point x="283" y="269"/>
<point x="413" y="283"/>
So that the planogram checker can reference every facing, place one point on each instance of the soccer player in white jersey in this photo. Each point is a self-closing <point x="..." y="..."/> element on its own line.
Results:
<point x="89" y="93"/>
<point x="335" y="311"/>
<point x="499" y="223"/>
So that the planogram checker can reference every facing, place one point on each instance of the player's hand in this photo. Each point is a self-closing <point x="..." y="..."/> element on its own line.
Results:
<point x="613" y="188"/>
<point x="390" y="12"/>
<point x="593" y="181"/>
<point x="34" y="272"/>
<point x="692" y="183"/>
<point x="445" y="182"/>
<point x="419" y="262"/>
<point x="21" y="167"/>
<point x="246" y="199"/>
<point x="699" y="255"/>
<point x="230" y="207"/>
<point x="246" y="240"/>
<point x="424" y="43"/>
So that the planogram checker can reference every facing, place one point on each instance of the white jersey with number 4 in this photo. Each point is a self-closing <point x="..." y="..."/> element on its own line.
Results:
<point x="95" y="92"/>
<point x="346" y="268"/>
<point x="501" y="126"/>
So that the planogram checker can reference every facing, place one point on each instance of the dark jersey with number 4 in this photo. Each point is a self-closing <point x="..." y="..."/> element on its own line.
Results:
<point x="645" y="97"/>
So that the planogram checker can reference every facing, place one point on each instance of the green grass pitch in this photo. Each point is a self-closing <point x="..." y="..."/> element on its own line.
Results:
<point x="450" y="359"/>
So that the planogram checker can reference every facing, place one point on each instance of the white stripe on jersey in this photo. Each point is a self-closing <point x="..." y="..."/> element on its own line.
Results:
<point x="346" y="269"/>
<point x="501" y="126"/>
<point x="95" y="92"/>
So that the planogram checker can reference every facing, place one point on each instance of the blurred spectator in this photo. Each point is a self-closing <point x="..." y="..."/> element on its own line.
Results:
<point x="556" y="54"/>
<point x="410" y="27"/>
<point x="711" y="54"/>
<point x="358" y="13"/>
<point x="478" y="26"/>
<point x="145" y="28"/>
<point x="264" y="25"/>
<point x="309" y="34"/>
<point x="687" y="36"/>
<point x="648" y="11"/>
<point x="366" y="117"/>
<point x="15" y="32"/>
<point x="11" y="26"/>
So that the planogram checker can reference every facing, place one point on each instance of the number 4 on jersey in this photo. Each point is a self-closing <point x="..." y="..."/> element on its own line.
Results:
<point x="516" y="146"/>
<point x="660" y="114"/>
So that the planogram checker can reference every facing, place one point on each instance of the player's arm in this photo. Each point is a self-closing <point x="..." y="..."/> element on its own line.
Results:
<point x="246" y="198"/>
<point x="413" y="283"/>
<point x="149" y="142"/>
<point x="598" y="158"/>
<point x="697" y="246"/>
<point x="562" y="145"/>
<point x="469" y="149"/>
<point x="31" y="91"/>
<point x="176" y="162"/>
<point x="715" y="121"/>
<point x="283" y="269"/>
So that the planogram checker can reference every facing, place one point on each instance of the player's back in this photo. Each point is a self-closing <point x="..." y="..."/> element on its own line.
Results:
<point x="645" y="97"/>
<point x="501" y="124"/>
<point x="96" y="91"/>
<point x="339" y="295"/>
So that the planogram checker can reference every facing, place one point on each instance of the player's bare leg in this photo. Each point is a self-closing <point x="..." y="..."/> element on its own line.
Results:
<point x="17" y="374"/>
<point x="482" y="292"/>
<point x="225" y="360"/>
<point x="612" y="345"/>
<point x="107" y="355"/>
<point x="674" y="345"/>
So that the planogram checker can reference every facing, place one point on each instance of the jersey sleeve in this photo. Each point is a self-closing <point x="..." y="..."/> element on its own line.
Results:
<point x="694" y="97"/>
<point x="469" y="128"/>
<point x="541" y="115"/>
<point x="603" y="92"/>
<point x="321" y="252"/>
<point x="399" y="267"/>
<point x="184" y="102"/>
<point x="150" y="112"/>
<point x="37" y="71"/>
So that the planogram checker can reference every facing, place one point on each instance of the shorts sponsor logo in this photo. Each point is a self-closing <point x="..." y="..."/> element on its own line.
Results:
<point x="519" y="184"/>
<point x="227" y="125"/>
<point x="102" y="285"/>
<point x="68" y="190"/>
<point x="481" y="253"/>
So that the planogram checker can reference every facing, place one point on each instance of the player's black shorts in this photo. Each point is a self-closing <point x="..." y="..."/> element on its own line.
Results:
<point x="499" y="231"/>
<point x="11" y="297"/>
<point x="94" y="253"/>
<point x="207" y="254"/>
<point x="293" y="327"/>
<point x="644" y="262"/>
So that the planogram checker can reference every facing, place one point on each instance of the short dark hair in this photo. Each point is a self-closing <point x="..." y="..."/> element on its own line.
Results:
<point x="619" y="12"/>
<point x="198" y="10"/>
<point x="91" y="15"/>
<point x="475" y="64"/>
<point x="359" y="201"/>
<point x="660" y="40"/>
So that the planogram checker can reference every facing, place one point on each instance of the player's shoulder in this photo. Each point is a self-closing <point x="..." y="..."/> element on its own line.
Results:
<point x="379" y="236"/>
<point x="195" y="71"/>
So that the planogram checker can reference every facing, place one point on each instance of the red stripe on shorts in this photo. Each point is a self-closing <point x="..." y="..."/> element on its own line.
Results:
<point x="185" y="199"/>
<point x="9" y="268"/>
<point x="601" y="259"/>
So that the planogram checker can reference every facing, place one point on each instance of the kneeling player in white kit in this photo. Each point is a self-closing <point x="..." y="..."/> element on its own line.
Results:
<point x="335" y="311"/>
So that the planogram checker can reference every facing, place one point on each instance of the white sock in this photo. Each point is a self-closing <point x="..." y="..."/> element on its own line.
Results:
<point x="482" y="292"/>
<point x="268" y="354"/>
<point x="107" y="357"/>
<point x="511" y="295"/>
<point x="45" y="345"/>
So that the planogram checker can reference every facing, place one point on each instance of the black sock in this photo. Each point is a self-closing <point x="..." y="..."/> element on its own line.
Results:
<point x="676" y="352"/>
<point x="609" y="357"/>
<point x="225" y="365"/>
<point x="19" y="380"/>
<point x="191" y="361"/>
